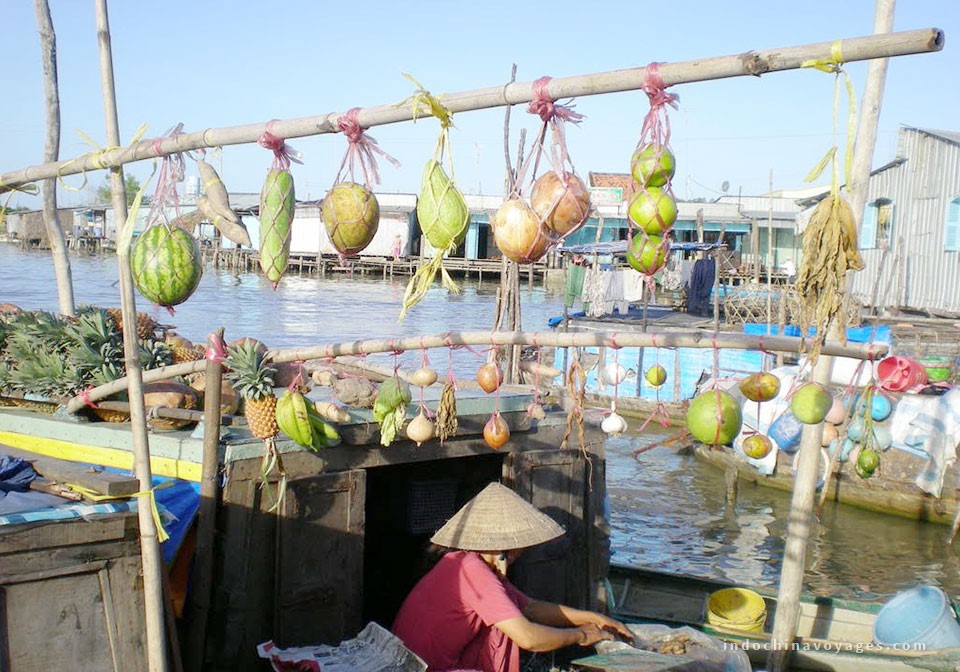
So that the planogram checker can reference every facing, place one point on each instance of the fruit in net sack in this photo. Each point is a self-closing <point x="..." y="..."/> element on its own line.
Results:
<point x="165" y="262"/>
<point x="656" y="375"/>
<point x="714" y="417"/>
<point x="351" y="216"/>
<point x="757" y="446"/>
<point x="652" y="166"/>
<point x="562" y="202"/>
<point x="518" y="233"/>
<point x="760" y="386"/>
<point x="653" y="210"/>
<point x="811" y="403"/>
<point x="648" y="254"/>
<point x="277" y="203"/>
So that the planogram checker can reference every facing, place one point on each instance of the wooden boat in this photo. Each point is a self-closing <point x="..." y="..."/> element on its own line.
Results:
<point x="832" y="634"/>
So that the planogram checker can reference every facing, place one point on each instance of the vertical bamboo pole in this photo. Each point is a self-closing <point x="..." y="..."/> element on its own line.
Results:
<point x="801" y="505"/>
<point x="149" y="544"/>
<point x="202" y="577"/>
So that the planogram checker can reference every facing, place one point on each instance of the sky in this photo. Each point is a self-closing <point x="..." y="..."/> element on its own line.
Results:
<point x="211" y="64"/>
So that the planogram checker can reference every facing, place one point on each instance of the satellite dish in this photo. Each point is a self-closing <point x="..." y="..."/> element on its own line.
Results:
<point x="725" y="187"/>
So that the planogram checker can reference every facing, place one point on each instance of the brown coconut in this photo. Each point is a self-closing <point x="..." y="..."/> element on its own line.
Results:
<point x="229" y="399"/>
<point x="561" y="202"/>
<point x="518" y="233"/>
<point x="168" y="394"/>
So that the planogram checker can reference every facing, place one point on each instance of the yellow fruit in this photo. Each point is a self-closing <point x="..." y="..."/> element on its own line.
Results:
<point x="811" y="403"/>
<point x="656" y="375"/>
<point x="760" y="386"/>
<point x="757" y="446"/>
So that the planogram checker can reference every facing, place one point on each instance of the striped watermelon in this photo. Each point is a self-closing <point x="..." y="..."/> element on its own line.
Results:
<point x="166" y="264"/>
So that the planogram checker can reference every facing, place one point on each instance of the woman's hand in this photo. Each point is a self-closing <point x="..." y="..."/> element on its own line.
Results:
<point x="591" y="633"/>
<point x="611" y="625"/>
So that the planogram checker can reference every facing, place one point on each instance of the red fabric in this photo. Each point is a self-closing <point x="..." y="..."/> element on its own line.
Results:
<point x="448" y="618"/>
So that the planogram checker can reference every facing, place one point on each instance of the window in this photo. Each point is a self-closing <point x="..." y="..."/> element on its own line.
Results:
<point x="951" y="234"/>
<point x="877" y="224"/>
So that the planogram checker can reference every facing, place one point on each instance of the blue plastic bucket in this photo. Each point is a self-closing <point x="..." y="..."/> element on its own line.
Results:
<point x="921" y="615"/>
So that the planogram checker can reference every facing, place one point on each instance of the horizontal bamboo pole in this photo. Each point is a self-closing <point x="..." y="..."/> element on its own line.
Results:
<point x="166" y="412"/>
<point x="753" y="63"/>
<point x="569" y="339"/>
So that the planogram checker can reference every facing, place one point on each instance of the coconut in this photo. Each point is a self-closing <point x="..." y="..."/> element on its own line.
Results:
<point x="518" y="233"/>
<point x="168" y="394"/>
<point x="561" y="202"/>
<point x="648" y="254"/>
<point x="653" y="210"/>
<point x="714" y="417"/>
<point x="653" y="166"/>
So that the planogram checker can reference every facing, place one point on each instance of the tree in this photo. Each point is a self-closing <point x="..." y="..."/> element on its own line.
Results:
<point x="130" y="184"/>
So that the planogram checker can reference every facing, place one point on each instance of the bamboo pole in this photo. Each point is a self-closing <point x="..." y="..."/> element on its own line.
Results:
<point x="750" y="63"/>
<point x="151" y="560"/>
<point x="552" y="339"/>
<point x="51" y="221"/>
<point x="202" y="576"/>
<point x="805" y="483"/>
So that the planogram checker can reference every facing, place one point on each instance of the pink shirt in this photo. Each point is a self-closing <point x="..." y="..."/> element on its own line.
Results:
<point x="448" y="617"/>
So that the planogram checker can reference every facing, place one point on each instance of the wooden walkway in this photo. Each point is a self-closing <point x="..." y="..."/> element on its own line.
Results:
<point x="386" y="267"/>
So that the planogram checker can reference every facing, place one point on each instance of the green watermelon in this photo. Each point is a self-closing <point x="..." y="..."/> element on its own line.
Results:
<point x="166" y="264"/>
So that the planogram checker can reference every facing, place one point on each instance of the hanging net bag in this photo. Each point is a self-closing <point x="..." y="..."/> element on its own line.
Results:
<point x="441" y="210"/>
<point x="277" y="205"/>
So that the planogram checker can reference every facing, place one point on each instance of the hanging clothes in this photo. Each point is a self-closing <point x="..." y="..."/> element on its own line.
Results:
<point x="701" y="286"/>
<point x="633" y="285"/>
<point x="574" y="288"/>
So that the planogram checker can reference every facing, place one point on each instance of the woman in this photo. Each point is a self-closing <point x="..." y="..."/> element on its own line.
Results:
<point x="465" y="614"/>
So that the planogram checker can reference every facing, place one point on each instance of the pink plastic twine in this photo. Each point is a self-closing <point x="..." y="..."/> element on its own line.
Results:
<point x="361" y="149"/>
<point x="85" y="398"/>
<point x="172" y="172"/>
<point x="554" y="116"/>
<point x="216" y="351"/>
<point x="283" y="153"/>
<point x="656" y="125"/>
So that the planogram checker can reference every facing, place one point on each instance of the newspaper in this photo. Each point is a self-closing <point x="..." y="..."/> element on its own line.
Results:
<point x="373" y="650"/>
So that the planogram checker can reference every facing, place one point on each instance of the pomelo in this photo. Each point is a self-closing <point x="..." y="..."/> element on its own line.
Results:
<point x="757" y="446"/>
<point x="811" y="403"/>
<point x="653" y="166"/>
<point x="714" y="417"/>
<point x="648" y="254"/>
<point x="653" y="210"/>
<point x="760" y="386"/>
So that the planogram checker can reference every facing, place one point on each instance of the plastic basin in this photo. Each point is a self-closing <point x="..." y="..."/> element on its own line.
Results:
<point x="921" y="615"/>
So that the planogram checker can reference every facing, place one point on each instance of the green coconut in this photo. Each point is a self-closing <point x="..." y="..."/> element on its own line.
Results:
<point x="648" y="254"/>
<point x="351" y="215"/>
<point x="714" y="417"/>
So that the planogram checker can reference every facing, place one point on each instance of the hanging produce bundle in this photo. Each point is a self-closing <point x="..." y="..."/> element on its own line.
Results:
<point x="277" y="204"/>
<point x="441" y="210"/>
<point x="652" y="210"/>
<point x="830" y="240"/>
<point x="214" y="205"/>
<point x="165" y="259"/>
<point x="390" y="408"/>
<point x="559" y="201"/>
<point x="351" y="213"/>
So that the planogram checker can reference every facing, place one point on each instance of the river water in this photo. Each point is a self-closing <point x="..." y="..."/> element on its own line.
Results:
<point x="668" y="510"/>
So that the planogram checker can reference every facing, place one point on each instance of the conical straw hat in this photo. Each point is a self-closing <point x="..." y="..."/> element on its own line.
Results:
<point x="497" y="519"/>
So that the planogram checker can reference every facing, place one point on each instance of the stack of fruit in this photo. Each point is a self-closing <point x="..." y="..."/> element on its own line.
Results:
<point x="652" y="210"/>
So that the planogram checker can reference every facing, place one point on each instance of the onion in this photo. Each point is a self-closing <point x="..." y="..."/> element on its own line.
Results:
<point x="489" y="377"/>
<point x="423" y="377"/>
<point x="614" y="424"/>
<point x="495" y="432"/>
<point x="420" y="429"/>
<point x="561" y="202"/>
<point x="518" y="233"/>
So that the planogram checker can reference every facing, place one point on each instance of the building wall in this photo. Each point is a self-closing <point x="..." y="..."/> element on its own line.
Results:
<point x="910" y="269"/>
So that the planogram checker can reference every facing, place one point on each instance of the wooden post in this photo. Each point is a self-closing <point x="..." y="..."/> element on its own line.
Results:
<point x="152" y="562"/>
<point x="801" y="506"/>
<point x="201" y="580"/>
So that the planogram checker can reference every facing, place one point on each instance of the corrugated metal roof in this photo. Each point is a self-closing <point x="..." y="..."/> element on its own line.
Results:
<point x="949" y="136"/>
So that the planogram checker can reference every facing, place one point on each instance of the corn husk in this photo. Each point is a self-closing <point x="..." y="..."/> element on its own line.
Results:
<point x="829" y="251"/>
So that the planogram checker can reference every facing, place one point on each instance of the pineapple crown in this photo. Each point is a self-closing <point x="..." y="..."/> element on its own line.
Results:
<point x="248" y="369"/>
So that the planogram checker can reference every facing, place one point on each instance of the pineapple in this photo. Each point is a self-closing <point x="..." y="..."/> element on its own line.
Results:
<point x="252" y="378"/>
<point x="146" y="326"/>
<point x="183" y="350"/>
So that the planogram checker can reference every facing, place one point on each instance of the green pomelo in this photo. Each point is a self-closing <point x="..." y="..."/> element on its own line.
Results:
<point x="653" y="166"/>
<point x="351" y="216"/>
<point x="653" y="210"/>
<point x="648" y="254"/>
<point x="714" y="417"/>
<point x="811" y="403"/>
<point x="166" y="266"/>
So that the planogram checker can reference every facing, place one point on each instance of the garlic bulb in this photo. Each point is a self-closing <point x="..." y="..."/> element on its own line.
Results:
<point x="613" y="374"/>
<point x="614" y="424"/>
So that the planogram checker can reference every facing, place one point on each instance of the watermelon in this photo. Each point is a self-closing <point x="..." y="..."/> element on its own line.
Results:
<point x="166" y="264"/>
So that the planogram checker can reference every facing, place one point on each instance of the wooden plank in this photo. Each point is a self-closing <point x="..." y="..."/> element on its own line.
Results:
<point x="12" y="565"/>
<point x="31" y="536"/>
<point x="635" y="660"/>
<point x="61" y="471"/>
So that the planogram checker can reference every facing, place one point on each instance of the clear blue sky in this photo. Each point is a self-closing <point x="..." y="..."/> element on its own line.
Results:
<point x="214" y="64"/>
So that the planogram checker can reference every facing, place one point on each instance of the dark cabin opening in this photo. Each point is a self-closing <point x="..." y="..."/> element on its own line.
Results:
<point x="405" y="505"/>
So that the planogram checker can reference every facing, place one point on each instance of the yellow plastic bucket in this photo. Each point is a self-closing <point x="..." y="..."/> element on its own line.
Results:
<point x="736" y="609"/>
